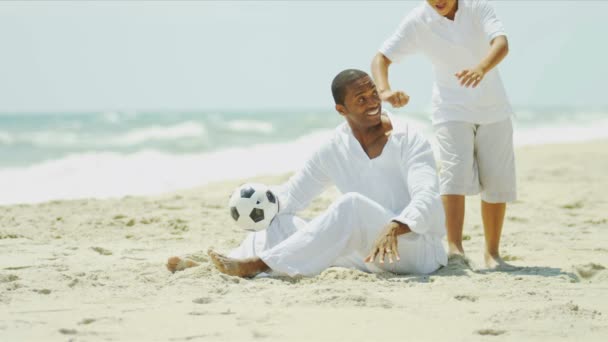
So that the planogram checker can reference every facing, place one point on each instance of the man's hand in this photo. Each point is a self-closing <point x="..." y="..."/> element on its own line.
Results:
<point x="395" y="98"/>
<point x="386" y="244"/>
<point x="470" y="77"/>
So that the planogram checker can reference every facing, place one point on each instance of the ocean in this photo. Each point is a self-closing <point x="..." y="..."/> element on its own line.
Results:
<point x="50" y="156"/>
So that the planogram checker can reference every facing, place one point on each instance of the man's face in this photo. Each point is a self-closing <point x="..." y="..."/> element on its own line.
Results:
<point x="443" y="7"/>
<point x="362" y="105"/>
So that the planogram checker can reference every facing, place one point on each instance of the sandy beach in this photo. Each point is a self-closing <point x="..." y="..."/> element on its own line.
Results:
<point x="91" y="270"/>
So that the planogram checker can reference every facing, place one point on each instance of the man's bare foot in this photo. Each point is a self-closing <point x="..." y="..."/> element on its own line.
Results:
<point x="177" y="264"/>
<point x="245" y="268"/>
<point x="496" y="263"/>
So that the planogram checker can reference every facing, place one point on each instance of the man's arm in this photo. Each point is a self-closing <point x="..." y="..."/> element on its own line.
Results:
<point x="424" y="214"/>
<point x="305" y="185"/>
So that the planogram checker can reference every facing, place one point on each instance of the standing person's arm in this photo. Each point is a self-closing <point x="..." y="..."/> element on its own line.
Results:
<point x="380" y="66"/>
<point x="499" y="45"/>
<point x="499" y="48"/>
<point x="404" y="41"/>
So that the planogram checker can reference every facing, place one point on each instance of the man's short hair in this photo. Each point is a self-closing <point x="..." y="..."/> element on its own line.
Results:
<point x="342" y="81"/>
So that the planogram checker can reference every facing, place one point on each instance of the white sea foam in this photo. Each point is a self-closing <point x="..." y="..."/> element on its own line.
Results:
<point x="561" y="132"/>
<point x="250" y="126"/>
<point x="70" y="138"/>
<point x="6" y="138"/>
<point x="41" y="139"/>
<point x="104" y="175"/>
<point x="188" y="129"/>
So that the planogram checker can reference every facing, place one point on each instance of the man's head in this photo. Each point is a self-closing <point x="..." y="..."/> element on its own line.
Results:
<point x="357" y="99"/>
<point x="445" y="8"/>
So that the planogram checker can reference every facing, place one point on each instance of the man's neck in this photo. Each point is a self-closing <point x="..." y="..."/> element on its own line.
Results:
<point x="373" y="139"/>
<point x="367" y="135"/>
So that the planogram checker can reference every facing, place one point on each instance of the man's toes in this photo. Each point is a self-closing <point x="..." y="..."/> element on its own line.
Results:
<point x="172" y="264"/>
<point x="188" y="263"/>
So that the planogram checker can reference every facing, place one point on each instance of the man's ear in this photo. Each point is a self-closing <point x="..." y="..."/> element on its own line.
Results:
<point x="341" y="109"/>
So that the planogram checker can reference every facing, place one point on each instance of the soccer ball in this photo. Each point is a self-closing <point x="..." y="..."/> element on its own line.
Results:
<point x="252" y="206"/>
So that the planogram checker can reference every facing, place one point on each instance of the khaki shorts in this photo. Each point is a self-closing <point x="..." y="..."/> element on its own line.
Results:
<point x="477" y="159"/>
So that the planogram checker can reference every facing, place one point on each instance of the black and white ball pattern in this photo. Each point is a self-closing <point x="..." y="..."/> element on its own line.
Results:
<point x="252" y="206"/>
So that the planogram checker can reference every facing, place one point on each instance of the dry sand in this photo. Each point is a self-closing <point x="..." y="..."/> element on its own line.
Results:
<point x="92" y="270"/>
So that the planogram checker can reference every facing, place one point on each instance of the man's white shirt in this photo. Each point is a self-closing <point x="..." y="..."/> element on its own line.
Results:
<point x="402" y="178"/>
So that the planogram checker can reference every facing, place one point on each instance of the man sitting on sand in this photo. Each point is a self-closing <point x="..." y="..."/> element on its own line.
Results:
<point x="389" y="218"/>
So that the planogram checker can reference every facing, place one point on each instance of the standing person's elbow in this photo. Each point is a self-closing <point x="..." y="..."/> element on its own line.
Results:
<point x="381" y="60"/>
<point x="502" y="43"/>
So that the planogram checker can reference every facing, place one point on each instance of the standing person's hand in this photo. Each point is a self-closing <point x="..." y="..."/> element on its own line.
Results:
<point x="386" y="245"/>
<point x="470" y="77"/>
<point x="395" y="98"/>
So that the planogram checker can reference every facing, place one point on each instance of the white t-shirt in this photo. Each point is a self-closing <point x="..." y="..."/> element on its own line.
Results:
<point x="453" y="46"/>
<point x="402" y="179"/>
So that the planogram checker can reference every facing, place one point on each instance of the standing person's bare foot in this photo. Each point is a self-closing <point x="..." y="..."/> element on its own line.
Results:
<point x="455" y="249"/>
<point x="245" y="268"/>
<point x="496" y="263"/>
<point x="460" y="261"/>
<point x="177" y="264"/>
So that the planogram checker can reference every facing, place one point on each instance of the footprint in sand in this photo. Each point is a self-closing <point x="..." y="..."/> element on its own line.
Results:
<point x="202" y="300"/>
<point x="466" y="298"/>
<point x="8" y="278"/>
<point x="589" y="270"/>
<point x="43" y="291"/>
<point x="573" y="205"/>
<point x="102" y="251"/>
<point x="68" y="331"/>
<point x="490" y="332"/>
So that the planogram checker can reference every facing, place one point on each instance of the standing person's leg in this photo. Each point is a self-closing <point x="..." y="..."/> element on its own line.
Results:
<point x="496" y="160"/>
<point x="457" y="176"/>
<point x="493" y="216"/>
<point x="454" y="221"/>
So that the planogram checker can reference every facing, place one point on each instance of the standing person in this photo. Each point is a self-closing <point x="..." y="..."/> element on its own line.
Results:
<point x="471" y="114"/>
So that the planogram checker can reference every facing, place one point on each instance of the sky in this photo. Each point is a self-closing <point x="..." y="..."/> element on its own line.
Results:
<point x="276" y="55"/>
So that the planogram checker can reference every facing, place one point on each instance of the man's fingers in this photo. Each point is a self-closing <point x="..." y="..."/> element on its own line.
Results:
<point x="381" y="255"/>
<point x="395" y="249"/>
<point x="372" y="255"/>
<point x="476" y="82"/>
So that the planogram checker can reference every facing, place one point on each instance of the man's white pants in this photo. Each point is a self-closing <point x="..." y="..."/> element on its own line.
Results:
<point x="342" y="236"/>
